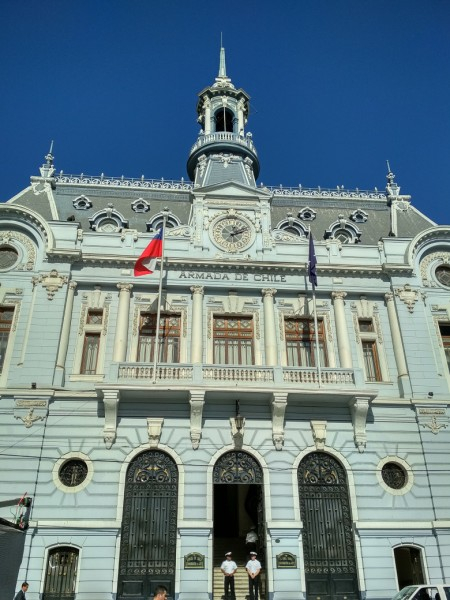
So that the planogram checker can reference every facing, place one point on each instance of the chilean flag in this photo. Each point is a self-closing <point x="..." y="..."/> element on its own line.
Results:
<point x="146" y="263"/>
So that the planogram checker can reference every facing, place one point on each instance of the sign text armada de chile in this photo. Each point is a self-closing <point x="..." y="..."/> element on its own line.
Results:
<point x="268" y="277"/>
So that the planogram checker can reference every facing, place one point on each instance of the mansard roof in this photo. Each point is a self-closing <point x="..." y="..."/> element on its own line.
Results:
<point x="61" y="199"/>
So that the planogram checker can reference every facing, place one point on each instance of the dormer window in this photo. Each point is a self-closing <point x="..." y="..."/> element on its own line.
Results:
<point x="292" y="226"/>
<point x="344" y="231"/>
<point x="108" y="221"/>
<point x="82" y="203"/>
<point x="157" y="222"/>
<point x="224" y="120"/>
<point x="359" y="216"/>
<point x="307" y="214"/>
<point x="140" y="206"/>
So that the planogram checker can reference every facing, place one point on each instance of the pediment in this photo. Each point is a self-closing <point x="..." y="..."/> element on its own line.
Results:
<point x="233" y="189"/>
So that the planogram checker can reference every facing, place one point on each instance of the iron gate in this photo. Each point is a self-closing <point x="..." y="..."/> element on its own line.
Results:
<point x="328" y="545"/>
<point x="148" y="544"/>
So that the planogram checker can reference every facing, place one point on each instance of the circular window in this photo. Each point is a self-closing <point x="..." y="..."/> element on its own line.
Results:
<point x="8" y="257"/>
<point x="73" y="472"/>
<point x="442" y="274"/>
<point x="395" y="475"/>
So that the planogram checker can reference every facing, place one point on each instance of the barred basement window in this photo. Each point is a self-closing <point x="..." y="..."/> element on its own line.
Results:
<point x="73" y="473"/>
<point x="394" y="475"/>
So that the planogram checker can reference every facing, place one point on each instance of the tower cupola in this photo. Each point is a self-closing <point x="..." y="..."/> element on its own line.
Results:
<point x="223" y="150"/>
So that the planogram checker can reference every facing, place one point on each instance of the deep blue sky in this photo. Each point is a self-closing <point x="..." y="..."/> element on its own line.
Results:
<point x="337" y="87"/>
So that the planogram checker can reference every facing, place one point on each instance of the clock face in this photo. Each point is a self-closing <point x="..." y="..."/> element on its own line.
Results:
<point x="233" y="234"/>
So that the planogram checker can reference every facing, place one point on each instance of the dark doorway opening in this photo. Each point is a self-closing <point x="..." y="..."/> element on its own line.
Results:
<point x="408" y="564"/>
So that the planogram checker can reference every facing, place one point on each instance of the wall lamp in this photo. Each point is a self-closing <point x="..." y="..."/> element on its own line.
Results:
<point x="238" y="419"/>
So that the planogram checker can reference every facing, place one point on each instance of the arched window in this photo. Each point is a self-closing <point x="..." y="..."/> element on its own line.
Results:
<point x="61" y="574"/>
<point x="224" y="120"/>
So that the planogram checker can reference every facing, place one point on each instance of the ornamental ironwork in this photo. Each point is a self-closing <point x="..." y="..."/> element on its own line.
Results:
<point x="237" y="467"/>
<point x="328" y="544"/>
<point x="149" y="526"/>
<point x="61" y="574"/>
<point x="393" y="475"/>
<point x="73" y="472"/>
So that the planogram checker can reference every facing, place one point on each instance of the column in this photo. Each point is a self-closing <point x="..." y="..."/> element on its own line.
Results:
<point x="345" y="354"/>
<point x="397" y="343"/>
<point x="207" y="107"/>
<point x="64" y="340"/>
<point x="120" y="341"/>
<point x="197" y="324"/>
<point x="270" y="333"/>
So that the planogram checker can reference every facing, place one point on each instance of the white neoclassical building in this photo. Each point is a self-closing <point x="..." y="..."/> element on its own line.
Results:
<point x="136" y="451"/>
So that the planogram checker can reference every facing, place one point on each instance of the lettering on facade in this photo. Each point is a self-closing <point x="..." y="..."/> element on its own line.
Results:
<point x="31" y="403"/>
<point x="431" y="411"/>
<point x="194" y="560"/>
<point x="252" y="277"/>
<point x="286" y="560"/>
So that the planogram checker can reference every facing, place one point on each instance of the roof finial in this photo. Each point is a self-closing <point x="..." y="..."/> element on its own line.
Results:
<point x="392" y="188"/>
<point x="48" y="168"/>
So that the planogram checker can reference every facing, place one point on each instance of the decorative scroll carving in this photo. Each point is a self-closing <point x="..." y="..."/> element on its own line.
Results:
<point x="408" y="296"/>
<point x="278" y="406"/>
<point x="111" y="400"/>
<point x="197" y="402"/>
<point x="434" y="426"/>
<point x="359" y="409"/>
<point x="29" y="418"/>
<point x="52" y="282"/>
<point x="154" y="428"/>
<point x="319" y="431"/>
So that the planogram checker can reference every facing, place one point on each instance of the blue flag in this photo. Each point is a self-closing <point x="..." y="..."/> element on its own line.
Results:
<point x="312" y="262"/>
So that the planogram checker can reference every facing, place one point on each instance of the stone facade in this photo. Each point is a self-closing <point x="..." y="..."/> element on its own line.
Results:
<point x="82" y="399"/>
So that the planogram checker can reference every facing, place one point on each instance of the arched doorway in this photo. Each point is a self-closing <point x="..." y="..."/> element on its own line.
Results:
<point x="149" y="526"/>
<point x="238" y="506"/>
<point x="328" y="544"/>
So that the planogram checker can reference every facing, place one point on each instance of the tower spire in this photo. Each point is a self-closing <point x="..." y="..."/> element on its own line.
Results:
<point x="222" y="64"/>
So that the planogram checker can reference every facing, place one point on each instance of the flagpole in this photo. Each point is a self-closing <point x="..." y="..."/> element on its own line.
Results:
<point x="158" y="312"/>
<point x="313" y="280"/>
<point x="316" y="329"/>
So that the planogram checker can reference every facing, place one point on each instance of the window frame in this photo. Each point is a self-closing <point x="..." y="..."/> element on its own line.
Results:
<point x="246" y="335"/>
<point x="323" y="350"/>
<point x="165" y="347"/>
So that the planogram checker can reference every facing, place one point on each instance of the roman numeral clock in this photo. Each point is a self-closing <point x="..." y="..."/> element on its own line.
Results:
<point x="232" y="233"/>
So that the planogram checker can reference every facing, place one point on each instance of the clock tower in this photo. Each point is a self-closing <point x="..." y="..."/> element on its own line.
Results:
<point x="224" y="151"/>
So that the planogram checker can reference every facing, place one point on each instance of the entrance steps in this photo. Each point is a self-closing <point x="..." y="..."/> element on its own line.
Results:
<point x="240" y="557"/>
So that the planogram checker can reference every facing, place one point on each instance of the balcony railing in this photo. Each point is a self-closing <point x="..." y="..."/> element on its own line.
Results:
<point x="211" y="375"/>
<point x="224" y="136"/>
